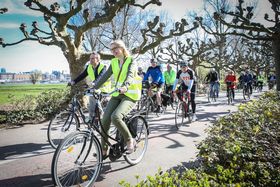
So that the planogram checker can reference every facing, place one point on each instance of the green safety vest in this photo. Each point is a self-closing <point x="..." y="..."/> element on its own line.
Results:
<point x="169" y="77"/>
<point x="260" y="78"/>
<point x="120" y="74"/>
<point x="106" y="87"/>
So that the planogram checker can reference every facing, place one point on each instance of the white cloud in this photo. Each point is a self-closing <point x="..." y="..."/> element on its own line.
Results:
<point x="9" y="25"/>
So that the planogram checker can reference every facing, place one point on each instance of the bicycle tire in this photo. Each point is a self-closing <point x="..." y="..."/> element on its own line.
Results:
<point x="208" y="96"/>
<point x="179" y="115"/>
<point x="149" y="108"/>
<point x="77" y="161"/>
<point x="244" y="93"/>
<point x="60" y="126"/>
<point x="141" y="139"/>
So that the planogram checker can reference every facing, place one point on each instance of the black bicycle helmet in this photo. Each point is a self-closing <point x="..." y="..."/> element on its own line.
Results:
<point x="183" y="63"/>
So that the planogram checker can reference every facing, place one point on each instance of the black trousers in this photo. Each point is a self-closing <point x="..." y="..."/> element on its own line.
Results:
<point x="183" y="87"/>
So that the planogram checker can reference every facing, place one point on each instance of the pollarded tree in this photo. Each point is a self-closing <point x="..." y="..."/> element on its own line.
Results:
<point x="35" y="76"/>
<point x="3" y="10"/>
<point x="69" y="37"/>
<point x="241" y="24"/>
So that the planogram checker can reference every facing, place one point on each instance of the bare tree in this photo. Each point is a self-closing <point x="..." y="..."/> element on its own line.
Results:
<point x="35" y="76"/>
<point x="3" y="10"/>
<point x="69" y="37"/>
<point x="241" y="24"/>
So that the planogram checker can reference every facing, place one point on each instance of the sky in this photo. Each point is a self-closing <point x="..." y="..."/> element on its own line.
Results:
<point x="29" y="56"/>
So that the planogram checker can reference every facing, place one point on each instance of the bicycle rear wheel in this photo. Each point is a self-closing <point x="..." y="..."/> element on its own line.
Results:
<point x="60" y="126"/>
<point x="77" y="160"/>
<point x="179" y="115"/>
<point x="140" y="134"/>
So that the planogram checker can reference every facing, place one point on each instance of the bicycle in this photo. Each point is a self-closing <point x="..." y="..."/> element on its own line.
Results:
<point x="212" y="93"/>
<point x="230" y="92"/>
<point x="78" y="159"/>
<point x="148" y="102"/>
<point x="260" y="86"/>
<point x="183" y="109"/>
<point x="71" y="119"/>
<point x="246" y="91"/>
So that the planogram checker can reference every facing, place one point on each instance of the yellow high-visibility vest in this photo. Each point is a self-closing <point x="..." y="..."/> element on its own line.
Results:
<point x="120" y="74"/>
<point x="106" y="87"/>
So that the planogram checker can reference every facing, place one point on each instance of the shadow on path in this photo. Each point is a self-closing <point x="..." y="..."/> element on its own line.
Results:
<point x="24" y="150"/>
<point x="42" y="180"/>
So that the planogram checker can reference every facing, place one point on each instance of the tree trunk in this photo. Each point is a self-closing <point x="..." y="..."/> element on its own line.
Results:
<point x="76" y="68"/>
<point x="276" y="52"/>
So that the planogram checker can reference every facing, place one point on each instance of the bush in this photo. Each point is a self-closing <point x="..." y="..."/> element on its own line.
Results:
<point x="37" y="108"/>
<point x="241" y="149"/>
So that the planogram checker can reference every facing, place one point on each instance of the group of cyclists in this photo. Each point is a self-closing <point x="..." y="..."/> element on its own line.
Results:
<point x="129" y="81"/>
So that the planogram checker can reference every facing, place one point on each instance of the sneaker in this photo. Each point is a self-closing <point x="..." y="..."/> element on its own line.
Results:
<point x="130" y="146"/>
<point x="194" y="118"/>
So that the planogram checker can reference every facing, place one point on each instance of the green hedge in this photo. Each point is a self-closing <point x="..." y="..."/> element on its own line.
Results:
<point x="241" y="149"/>
<point x="36" y="108"/>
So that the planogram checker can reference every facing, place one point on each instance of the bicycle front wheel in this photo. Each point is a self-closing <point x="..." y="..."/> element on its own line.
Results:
<point x="60" y="126"/>
<point x="140" y="133"/>
<point x="77" y="160"/>
<point x="179" y="115"/>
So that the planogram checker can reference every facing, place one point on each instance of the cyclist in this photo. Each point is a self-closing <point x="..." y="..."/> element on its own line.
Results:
<point x="169" y="77"/>
<point x="271" y="80"/>
<point x="230" y="80"/>
<point x="93" y="70"/>
<point x="248" y="78"/>
<point x="213" y="79"/>
<point x="260" y="80"/>
<point x="187" y="78"/>
<point x="157" y="78"/>
<point x="140" y="72"/>
<point x="121" y="103"/>
<point x="240" y="80"/>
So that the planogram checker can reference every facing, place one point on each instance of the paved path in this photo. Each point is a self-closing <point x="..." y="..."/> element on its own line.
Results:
<point x="25" y="155"/>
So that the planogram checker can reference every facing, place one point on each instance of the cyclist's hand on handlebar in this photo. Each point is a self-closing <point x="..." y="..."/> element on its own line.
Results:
<point x="71" y="83"/>
<point x="122" y="90"/>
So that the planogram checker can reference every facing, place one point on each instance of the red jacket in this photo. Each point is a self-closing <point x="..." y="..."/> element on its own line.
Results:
<point x="231" y="78"/>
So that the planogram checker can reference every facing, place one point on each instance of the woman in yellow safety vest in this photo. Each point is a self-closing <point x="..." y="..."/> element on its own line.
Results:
<point x="129" y="84"/>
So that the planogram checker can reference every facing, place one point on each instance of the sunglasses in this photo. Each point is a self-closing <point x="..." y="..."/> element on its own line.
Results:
<point x="114" y="48"/>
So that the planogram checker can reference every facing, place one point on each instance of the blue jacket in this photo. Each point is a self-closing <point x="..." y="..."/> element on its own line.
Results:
<point x="156" y="74"/>
<point x="247" y="78"/>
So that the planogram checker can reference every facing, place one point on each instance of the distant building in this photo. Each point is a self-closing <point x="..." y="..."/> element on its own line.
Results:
<point x="7" y="76"/>
<point x="2" y="70"/>
<point x="22" y="76"/>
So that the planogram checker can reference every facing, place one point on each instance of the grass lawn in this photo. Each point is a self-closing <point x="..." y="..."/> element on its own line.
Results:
<point x="21" y="90"/>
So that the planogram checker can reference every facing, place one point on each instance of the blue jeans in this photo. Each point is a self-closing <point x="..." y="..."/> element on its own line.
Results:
<point x="214" y="86"/>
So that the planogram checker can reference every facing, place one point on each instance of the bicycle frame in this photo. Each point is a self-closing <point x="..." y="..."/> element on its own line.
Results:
<point x="185" y="99"/>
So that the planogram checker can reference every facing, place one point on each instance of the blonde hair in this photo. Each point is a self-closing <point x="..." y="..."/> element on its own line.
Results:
<point x="121" y="44"/>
